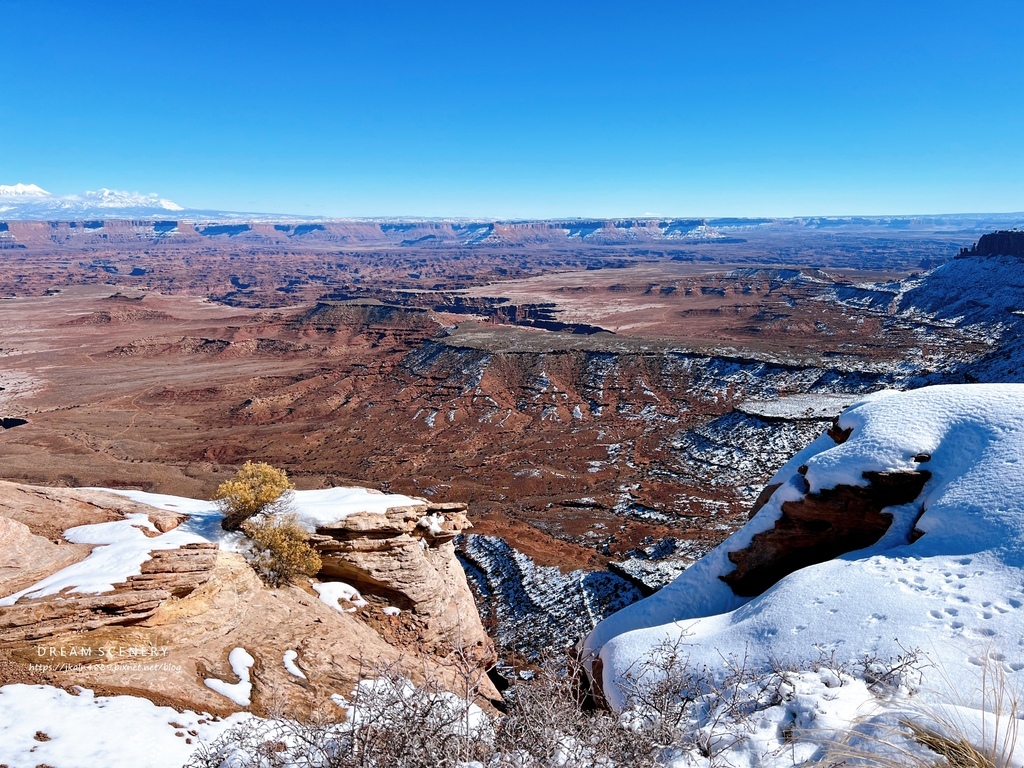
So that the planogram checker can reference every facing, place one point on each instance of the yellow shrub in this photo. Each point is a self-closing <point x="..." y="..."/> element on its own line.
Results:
<point x="280" y="551"/>
<point x="255" y="489"/>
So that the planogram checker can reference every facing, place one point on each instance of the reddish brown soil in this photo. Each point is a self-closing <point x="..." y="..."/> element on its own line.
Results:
<point x="168" y="392"/>
<point x="699" y="304"/>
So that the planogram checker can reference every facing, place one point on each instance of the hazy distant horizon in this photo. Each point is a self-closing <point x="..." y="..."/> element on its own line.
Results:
<point x="185" y="209"/>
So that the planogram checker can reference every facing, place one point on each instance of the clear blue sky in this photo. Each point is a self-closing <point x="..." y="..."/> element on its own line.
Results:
<point x="521" y="109"/>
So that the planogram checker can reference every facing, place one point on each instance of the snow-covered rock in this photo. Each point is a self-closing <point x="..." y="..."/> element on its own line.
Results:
<point x="121" y="549"/>
<point x="947" y="576"/>
<point x="104" y="590"/>
<point x="970" y="310"/>
<point x="370" y="541"/>
<point x="28" y="201"/>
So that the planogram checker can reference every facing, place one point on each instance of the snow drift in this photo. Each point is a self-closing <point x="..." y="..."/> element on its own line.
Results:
<point x="947" y="576"/>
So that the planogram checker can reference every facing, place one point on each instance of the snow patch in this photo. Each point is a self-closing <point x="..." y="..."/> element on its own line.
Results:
<point x="240" y="692"/>
<point x="333" y="592"/>
<point x="434" y="524"/>
<point x="86" y="730"/>
<point x="291" y="666"/>
<point x="808" y="406"/>
<point x="121" y="547"/>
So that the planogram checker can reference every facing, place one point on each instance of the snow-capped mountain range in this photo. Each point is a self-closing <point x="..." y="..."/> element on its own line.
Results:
<point x="29" y="201"/>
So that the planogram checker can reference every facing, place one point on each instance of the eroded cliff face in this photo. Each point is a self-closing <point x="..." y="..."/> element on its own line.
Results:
<point x="822" y="526"/>
<point x="163" y="632"/>
<point x="407" y="556"/>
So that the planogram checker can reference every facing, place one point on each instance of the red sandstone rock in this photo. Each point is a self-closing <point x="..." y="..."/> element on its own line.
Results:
<point x="822" y="526"/>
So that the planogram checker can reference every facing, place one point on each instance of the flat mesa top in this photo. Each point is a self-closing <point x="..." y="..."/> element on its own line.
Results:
<point x="800" y="407"/>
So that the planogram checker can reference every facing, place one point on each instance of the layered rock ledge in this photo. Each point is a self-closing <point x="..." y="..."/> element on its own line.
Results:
<point x="407" y="556"/>
<point x="177" y="618"/>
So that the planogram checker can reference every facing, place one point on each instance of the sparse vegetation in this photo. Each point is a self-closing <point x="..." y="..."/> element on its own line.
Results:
<point x="280" y="550"/>
<point x="674" y="714"/>
<point x="980" y="731"/>
<point x="257" y="488"/>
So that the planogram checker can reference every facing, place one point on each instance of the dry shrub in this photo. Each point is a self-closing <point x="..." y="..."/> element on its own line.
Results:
<point x="878" y="743"/>
<point x="390" y="723"/>
<point x="674" y="713"/>
<point x="394" y="724"/>
<point x="548" y="724"/>
<point x="257" y="488"/>
<point x="280" y="552"/>
<point x="956" y="751"/>
<point x="971" y="728"/>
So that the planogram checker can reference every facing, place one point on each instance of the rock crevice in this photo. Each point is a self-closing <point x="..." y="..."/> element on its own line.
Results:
<point x="820" y="527"/>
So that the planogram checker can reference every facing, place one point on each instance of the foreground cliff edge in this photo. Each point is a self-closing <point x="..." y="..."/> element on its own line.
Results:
<point x="891" y="547"/>
<point x="141" y="594"/>
<point x="928" y="489"/>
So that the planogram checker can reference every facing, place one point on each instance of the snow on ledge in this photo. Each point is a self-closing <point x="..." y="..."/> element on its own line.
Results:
<point x="332" y="505"/>
<point x="956" y="592"/>
<point x="314" y="509"/>
<point x="121" y="547"/>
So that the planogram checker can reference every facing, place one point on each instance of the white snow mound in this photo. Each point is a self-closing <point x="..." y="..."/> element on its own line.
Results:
<point x="88" y="731"/>
<point x="333" y="592"/>
<point x="956" y="592"/>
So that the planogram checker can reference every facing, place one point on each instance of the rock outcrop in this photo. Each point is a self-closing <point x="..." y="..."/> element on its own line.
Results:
<point x="170" y="573"/>
<point x="26" y="557"/>
<point x="821" y="526"/>
<point x="1000" y="243"/>
<point x="163" y="632"/>
<point x="407" y="556"/>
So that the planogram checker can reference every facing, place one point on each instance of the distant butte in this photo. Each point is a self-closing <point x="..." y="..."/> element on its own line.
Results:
<point x="1003" y="243"/>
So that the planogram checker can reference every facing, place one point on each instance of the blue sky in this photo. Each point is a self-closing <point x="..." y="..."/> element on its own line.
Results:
<point x="522" y="109"/>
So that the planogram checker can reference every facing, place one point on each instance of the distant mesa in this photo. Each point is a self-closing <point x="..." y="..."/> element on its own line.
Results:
<point x="1002" y="243"/>
<point x="108" y="215"/>
<point x="299" y="230"/>
<point x="224" y="229"/>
